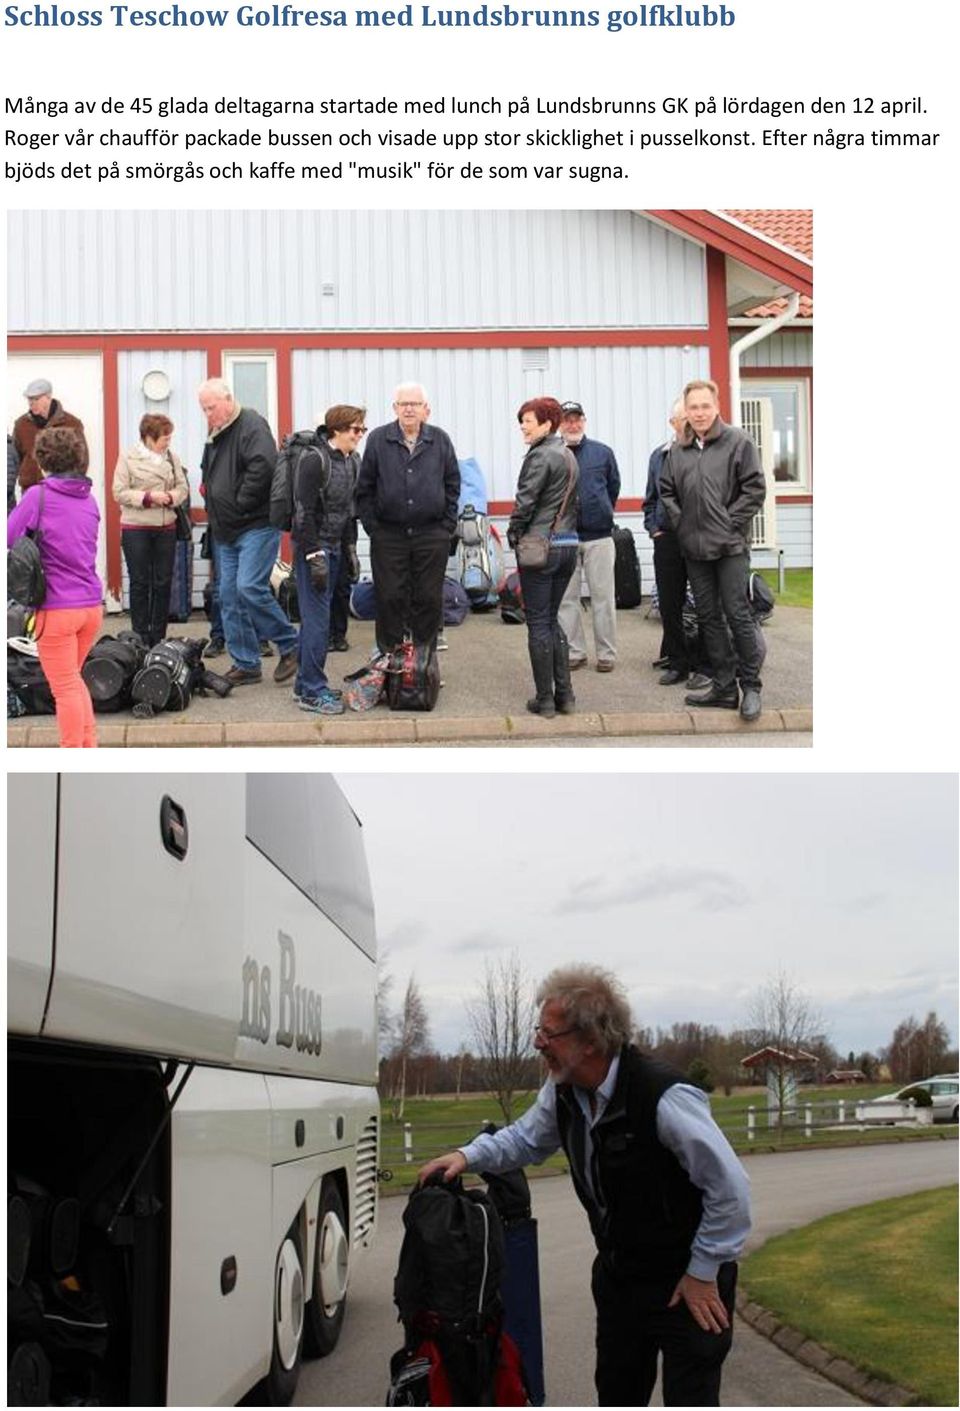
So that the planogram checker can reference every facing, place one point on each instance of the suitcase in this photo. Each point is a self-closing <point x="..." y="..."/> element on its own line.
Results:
<point x="626" y="569"/>
<point x="181" y="584"/>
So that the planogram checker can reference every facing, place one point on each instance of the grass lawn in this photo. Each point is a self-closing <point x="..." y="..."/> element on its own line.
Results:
<point x="797" y="586"/>
<point x="876" y="1285"/>
<point x="438" y="1124"/>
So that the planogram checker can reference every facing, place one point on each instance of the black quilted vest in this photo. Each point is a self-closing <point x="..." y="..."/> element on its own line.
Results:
<point x="648" y="1209"/>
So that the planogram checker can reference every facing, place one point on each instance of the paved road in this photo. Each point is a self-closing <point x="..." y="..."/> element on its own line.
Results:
<point x="788" y="1190"/>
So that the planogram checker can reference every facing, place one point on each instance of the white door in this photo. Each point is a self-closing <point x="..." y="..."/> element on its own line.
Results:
<point x="77" y="380"/>
<point x="756" y="418"/>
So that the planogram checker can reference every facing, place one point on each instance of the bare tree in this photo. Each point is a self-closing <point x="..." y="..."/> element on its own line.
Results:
<point x="501" y="1017"/>
<point x="783" y="1021"/>
<point x="411" y="1038"/>
<point x="917" y="1050"/>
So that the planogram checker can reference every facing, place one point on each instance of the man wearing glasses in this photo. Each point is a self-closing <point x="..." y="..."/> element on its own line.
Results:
<point x="407" y="498"/>
<point x="667" y="1199"/>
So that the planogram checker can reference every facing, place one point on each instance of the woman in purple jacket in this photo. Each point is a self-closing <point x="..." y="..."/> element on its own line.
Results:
<point x="66" y="514"/>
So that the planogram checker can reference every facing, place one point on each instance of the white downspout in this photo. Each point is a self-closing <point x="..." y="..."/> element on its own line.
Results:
<point x="756" y="335"/>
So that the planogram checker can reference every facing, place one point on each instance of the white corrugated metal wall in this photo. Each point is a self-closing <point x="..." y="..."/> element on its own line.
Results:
<point x="475" y="393"/>
<point x="108" y="271"/>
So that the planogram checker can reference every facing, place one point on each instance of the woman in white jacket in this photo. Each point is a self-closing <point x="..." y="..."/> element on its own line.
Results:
<point x="148" y="484"/>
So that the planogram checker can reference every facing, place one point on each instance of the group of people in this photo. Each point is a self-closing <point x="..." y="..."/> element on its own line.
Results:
<point x="704" y="487"/>
<point x="667" y="1199"/>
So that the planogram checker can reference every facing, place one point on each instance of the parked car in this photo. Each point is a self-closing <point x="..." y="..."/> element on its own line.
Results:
<point x="944" y="1090"/>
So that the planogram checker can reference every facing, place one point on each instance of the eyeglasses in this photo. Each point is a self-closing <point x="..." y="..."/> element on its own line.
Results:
<point x="405" y="405"/>
<point x="546" y="1036"/>
<point x="360" y="430"/>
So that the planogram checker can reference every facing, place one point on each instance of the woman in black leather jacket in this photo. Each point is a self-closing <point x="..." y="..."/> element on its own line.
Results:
<point x="546" y="504"/>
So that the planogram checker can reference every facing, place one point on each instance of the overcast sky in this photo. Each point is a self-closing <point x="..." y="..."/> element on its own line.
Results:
<point x="693" y="888"/>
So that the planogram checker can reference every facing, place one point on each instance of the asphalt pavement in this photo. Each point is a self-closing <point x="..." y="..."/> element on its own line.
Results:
<point x="487" y="681"/>
<point x="788" y="1190"/>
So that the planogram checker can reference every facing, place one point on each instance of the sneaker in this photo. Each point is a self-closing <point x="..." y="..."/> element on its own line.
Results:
<point x="606" y="664"/>
<point x="214" y="648"/>
<point x="339" y="644"/>
<point x="442" y="644"/>
<point x="265" y="649"/>
<point x="699" y="681"/>
<point x="287" y="666"/>
<point x="326" y="703"/>
<point x="240" y="676"/>
<point x="577" y="662"/>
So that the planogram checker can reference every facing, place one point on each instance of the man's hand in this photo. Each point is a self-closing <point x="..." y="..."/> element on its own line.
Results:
<point x="703" y="1299"/>
<point x="452" y="1164"/>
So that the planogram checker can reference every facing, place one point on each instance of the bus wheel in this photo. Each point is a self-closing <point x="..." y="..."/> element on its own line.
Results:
<point x="288" y="1309"/>
<point x="324" y="1317"/>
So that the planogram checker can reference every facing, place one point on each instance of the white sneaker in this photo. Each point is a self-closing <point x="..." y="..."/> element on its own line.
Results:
<point x="442" y="643"/>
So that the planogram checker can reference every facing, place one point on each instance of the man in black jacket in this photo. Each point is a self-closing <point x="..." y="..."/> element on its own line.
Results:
<point x="667" y="1199"/>
<point x="237" y="470"/>
<point x="407" y="496"/>
<point x="711" y="486"/>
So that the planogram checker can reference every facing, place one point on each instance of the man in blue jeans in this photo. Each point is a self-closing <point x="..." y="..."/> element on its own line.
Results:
<point x="237" y="470"/>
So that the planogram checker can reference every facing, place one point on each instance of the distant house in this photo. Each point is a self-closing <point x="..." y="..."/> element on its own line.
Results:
<point x="845" y="1075"/>
<point x="128" y="311"/>
<point x="802" y="1064"/>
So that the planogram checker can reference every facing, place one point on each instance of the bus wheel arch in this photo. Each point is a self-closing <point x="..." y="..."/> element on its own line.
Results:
<point x="327" y="1305"/>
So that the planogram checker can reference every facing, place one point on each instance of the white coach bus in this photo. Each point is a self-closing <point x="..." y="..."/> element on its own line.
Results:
<point x="192" y="1116"/>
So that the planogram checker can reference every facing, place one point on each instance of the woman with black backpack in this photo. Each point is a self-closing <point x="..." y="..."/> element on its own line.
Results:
<point x="64" y="520"/>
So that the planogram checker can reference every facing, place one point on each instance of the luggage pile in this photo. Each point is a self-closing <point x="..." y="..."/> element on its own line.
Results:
<point x="448" y="1291"/>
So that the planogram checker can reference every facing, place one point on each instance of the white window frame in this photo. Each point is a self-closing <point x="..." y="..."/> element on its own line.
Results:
<point x="760" y="387"/>
<point x="269" y="357"/>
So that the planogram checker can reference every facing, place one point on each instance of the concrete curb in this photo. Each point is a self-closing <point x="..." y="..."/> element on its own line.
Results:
<point x="836" y="1369"/>
<point x="413" y="730"/>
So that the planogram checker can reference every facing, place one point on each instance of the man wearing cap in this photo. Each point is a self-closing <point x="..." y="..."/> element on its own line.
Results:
<point x="43" y="411"/>
<point x="599" y="486"/>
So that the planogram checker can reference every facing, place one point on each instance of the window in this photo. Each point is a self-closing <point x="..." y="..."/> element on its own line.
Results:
<point x="785" y="430"/>
<point x="253" y="377"/>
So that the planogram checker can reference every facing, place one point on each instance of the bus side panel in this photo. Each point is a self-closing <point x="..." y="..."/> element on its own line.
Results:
<point x="147" y="946"/>
<point x="31" y="854"/>
<point x="220" y="1344"/>
<point x="309" y="993"/>
<point x="335" y="1118"/>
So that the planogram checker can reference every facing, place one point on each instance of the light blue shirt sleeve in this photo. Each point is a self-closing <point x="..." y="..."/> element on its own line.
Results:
<point x="526" y="1142"/>
<point x="686" y="1127"/>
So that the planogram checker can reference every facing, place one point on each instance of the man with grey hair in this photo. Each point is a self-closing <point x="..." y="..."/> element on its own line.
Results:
<point x="667" y="1199"/>
<point x="43" y="410"/>
<point x="407" y="499"/>
<point x="237" y="471"/>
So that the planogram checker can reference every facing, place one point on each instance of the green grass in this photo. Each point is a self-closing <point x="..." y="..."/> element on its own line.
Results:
<point x="797" y="586"/>
<point x="438" y="1124"/>
<point x="876" y="1285"/>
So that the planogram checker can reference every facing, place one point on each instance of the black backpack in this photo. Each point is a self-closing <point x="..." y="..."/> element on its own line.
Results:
<point x="447" y="1287"/>
<point x="762" y="601"/>
<point x="284" y="483"/>
<point x="109" y="671"/>
<point x="28" y="691"/>
<point x="171" y="672"/>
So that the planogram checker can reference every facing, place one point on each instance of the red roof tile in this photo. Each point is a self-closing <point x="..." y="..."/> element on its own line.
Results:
<point x="791" y="228"/>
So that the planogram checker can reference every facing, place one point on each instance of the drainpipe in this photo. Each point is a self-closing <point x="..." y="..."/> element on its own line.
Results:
<point x="756" y="335"/>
